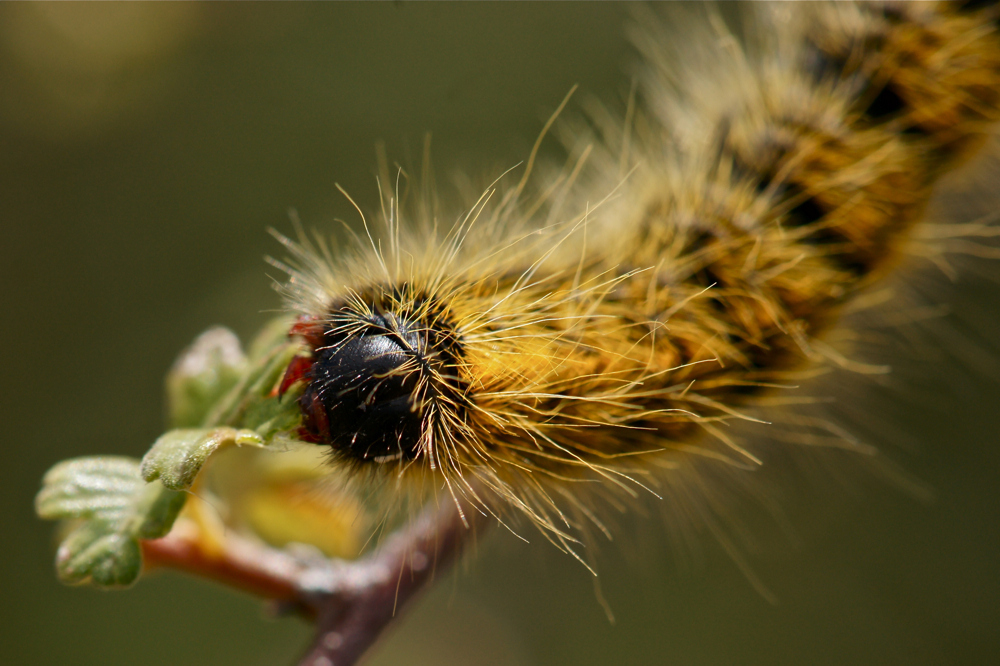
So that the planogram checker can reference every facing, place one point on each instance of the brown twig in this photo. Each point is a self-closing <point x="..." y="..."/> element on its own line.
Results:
<point x="351" y="618"/>
<point x="351" y="602"/>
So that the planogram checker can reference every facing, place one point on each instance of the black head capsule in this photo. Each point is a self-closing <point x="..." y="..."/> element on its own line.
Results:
<point x="371" y="379"/>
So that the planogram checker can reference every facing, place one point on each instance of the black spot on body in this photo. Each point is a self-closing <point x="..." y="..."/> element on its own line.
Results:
<point x="974" y="5"/>
<point x="886" y="104"/>
<point x="842" y="251"/>
<point x="877" y="107"/>
<point x="806" y="212"/>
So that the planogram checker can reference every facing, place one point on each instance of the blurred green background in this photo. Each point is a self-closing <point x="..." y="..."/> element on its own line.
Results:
<point x="145" y="149"/>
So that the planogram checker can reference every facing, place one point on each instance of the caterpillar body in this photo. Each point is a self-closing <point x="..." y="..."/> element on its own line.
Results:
<point x="575" y="343"/>
<point x="688" y="262"/>
<point x="543" y="342"/>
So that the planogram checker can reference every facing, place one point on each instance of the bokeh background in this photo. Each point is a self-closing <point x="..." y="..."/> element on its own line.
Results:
<point x="144" y="151"/>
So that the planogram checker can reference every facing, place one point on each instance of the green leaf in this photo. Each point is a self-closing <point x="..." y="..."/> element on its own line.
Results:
<point x="274" y="334"/>
<point x="102" y="487"/>
<point x="178" y="455"/>
<point x="116" y="507"/>
<point x="203" y="374"/>
<point x="156" y="511"/>
<point x="95" y="553"/>
<point x="270" y="356"/>
<point x="221" y="398"/>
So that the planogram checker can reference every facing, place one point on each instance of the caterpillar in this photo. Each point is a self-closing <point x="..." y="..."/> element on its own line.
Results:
<point x="579" y="338"/>
<point x="559" y="346"/>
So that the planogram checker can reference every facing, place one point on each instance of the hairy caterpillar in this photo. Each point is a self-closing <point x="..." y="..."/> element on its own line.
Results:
<point x="607" y="188"/>
<point x="540" y="343"/>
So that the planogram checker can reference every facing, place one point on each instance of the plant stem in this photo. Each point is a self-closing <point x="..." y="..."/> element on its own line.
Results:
<point x="351" y="602"/>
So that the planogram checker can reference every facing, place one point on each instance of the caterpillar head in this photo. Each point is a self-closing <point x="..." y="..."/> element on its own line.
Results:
<point x="383" y="371"/>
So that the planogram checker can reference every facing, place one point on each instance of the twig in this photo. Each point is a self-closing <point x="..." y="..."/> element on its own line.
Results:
<point x="351" y="619"/>
<point x="351" y="601"/>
